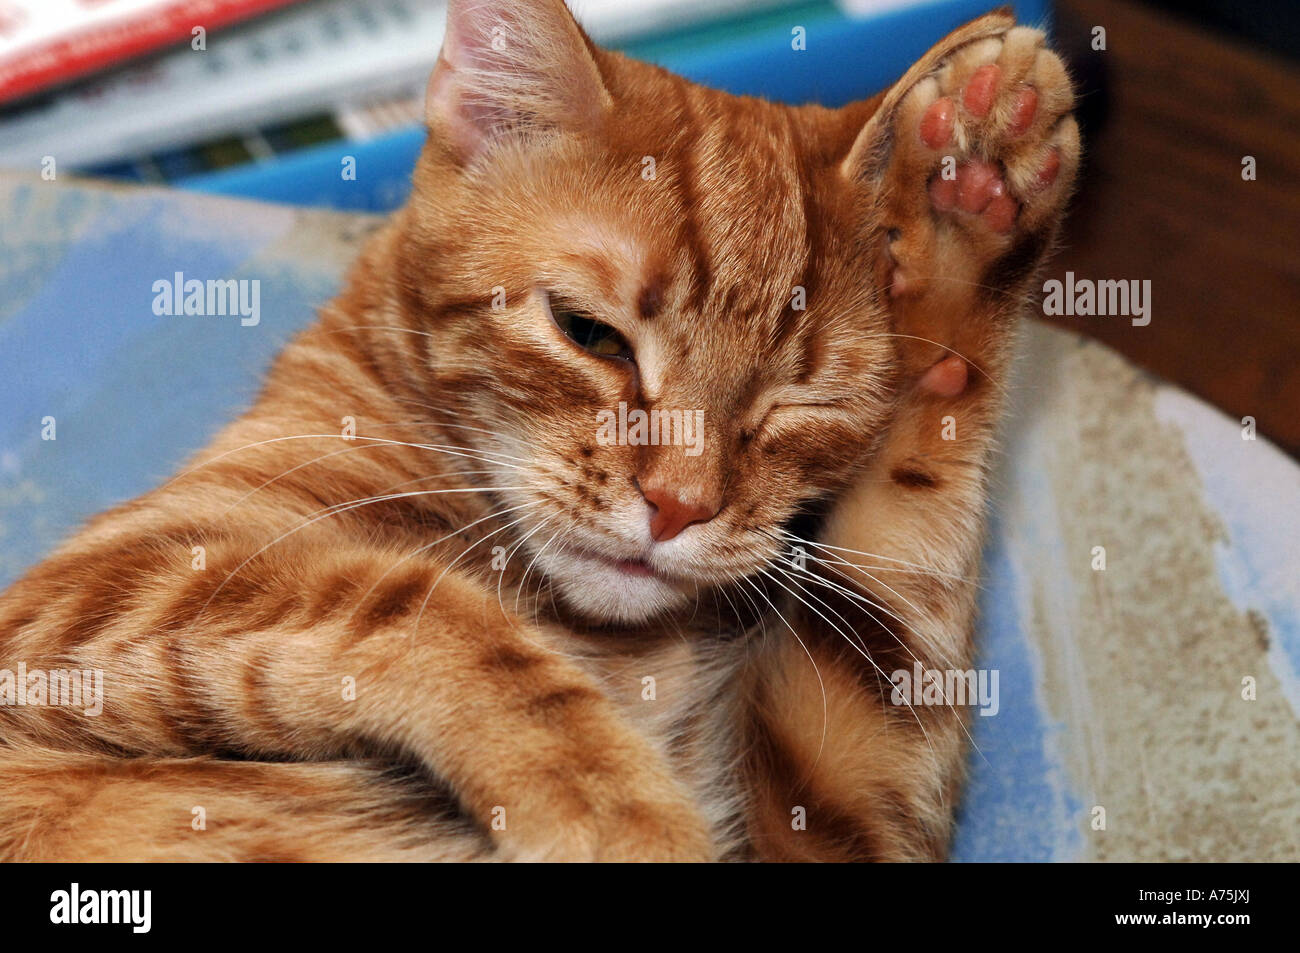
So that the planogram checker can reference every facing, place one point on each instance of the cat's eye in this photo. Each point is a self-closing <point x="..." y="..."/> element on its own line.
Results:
<point x="588" y="333"/>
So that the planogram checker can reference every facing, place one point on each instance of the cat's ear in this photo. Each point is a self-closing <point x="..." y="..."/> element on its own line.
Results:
<point x="870" y="150"/>
<point x="509" y="66"/>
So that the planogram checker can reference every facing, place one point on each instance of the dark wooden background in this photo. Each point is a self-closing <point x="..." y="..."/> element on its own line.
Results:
<point x="1170" y="108"/>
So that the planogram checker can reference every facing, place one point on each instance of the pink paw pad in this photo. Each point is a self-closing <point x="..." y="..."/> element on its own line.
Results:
<point x="1023" y="106"/>
<point x="1051" y="168"/>
<point x="978" y="183"/>
<point x="943" y="193"/>
<point x="978" y="186"/>
<point x="979" y="91"/>
<point x="946" y="378"/>
<point x="978" y="189"/>
<point x="937" y="123"/>
<point x="1000" y="213"/>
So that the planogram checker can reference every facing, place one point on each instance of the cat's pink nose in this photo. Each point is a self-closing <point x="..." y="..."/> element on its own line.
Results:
<point x="670" y="513"/>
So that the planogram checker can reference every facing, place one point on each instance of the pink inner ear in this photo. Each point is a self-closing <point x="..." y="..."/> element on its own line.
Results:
<point x="449" y="100"/>
<point x="467" y="123"/>
<point x="947" y="378"/>
<point x="507" y="64"/>
<point x="468" y="38"/>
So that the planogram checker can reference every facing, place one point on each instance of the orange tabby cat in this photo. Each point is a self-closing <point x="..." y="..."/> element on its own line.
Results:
<point x="503" y="621"/>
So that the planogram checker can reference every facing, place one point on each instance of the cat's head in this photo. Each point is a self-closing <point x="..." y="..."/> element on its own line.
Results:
<point x="650" y="301"/>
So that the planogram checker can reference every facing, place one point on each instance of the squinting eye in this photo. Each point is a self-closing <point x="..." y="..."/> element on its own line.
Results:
<point x="592" y="335"/>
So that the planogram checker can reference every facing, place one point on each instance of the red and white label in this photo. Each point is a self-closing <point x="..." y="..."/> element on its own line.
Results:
<point x="46" y="42"/>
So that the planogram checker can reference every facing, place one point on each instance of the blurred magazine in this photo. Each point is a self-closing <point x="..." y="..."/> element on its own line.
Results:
<point x="311" y="71"/>
<point x="46" y="43"/>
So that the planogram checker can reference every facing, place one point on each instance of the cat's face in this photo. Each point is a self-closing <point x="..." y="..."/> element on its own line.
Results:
<point x="659" y="323"/>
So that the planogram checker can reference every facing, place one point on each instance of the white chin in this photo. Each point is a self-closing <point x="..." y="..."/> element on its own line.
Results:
<point x="598" y="590"/>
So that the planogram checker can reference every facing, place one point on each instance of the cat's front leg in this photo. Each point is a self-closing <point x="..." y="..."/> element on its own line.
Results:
<point x="971" y="158"/>
<point x="331" y="650"/>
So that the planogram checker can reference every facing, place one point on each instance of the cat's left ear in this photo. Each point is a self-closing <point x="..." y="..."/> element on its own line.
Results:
<point x="511" y="66"/>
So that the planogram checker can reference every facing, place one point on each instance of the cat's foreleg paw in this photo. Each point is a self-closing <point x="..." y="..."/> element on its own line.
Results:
<point x="984" y="156"/>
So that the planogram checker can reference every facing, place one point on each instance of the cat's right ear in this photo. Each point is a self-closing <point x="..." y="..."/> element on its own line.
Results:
<point x="509" y="67"/>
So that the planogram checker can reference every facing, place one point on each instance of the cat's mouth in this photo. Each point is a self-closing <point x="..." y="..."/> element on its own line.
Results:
<point x="612" y="586"/>
<point x="636" y="567"/>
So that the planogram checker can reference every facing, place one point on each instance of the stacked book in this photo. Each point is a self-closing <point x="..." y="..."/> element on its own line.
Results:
<point x="263" y="97"/>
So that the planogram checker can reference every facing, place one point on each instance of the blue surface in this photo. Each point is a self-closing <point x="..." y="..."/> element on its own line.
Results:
<point x="1017" y="806"/>
<point x="132" y="393"/>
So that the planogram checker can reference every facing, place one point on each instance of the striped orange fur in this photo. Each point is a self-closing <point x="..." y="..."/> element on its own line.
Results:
<point x="434" y="616"/>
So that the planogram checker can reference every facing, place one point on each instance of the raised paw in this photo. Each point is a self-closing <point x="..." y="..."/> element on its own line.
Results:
<point x="984" y="152"/>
